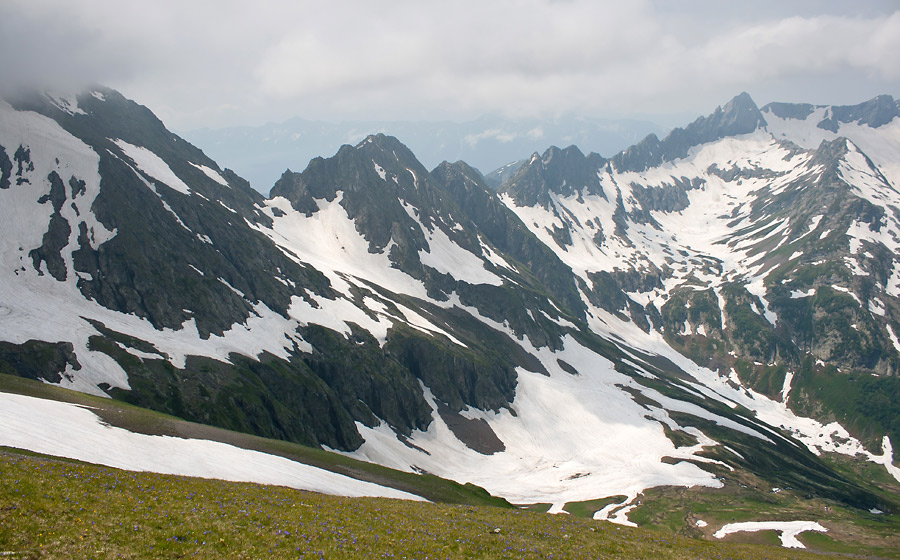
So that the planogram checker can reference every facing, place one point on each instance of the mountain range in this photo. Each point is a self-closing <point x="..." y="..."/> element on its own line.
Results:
<point x="717" y="309"/>
<point x="261" y="153"/>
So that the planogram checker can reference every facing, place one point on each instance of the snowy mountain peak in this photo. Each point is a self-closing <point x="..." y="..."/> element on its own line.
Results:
<point x="741" y="116"/>
<point x="738" y="116"/>
<point x="695" y="301"/>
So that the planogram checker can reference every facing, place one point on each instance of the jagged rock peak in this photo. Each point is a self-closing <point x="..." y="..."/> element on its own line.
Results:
<point x="377" y="181"/>
<point x="562" y="171"/>
<point x="829" y="153"/>
<point x="377" y="158"/>
<point x="738" y="116"/>
<point x="380" y="140"/>
<point x="382" y="143"/>
<point x="458" y="169"/>
<point x="640" y="156"/>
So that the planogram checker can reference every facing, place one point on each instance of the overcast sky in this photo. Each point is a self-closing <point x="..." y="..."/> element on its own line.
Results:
<point x="217" y="63"/>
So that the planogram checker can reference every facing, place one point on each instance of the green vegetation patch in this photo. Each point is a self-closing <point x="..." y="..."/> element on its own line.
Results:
<point x="868" y="406"/>
<point x="700" y="512"/>
<point x="588" y="508"/>
<point x="59" y="509"/>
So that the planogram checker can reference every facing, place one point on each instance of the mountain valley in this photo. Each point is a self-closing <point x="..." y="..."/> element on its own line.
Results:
<point x="714" y="313"/>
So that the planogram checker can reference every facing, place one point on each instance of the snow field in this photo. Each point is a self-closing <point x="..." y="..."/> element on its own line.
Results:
<point x="572" y="438"/>
<point x="817" y="437"/>
<point x="881" y="144"/>
<point x="51" y="149"/>
<point x="67" y="430"/>
<point x="328" y="241"/>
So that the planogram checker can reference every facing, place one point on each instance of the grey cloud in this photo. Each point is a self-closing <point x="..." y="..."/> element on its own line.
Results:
<point x="220" y="63"/>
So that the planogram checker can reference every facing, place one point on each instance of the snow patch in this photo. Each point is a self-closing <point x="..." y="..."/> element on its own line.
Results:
<point x="788" y="529"/>
<point x="886" y="458"/>
<point x="152" y="165"/>
<point x="337" y="315"/>
<point x="422" y="324"/>
<point x="847" y="291"/>
<point x="447" y="257"/>
<point x="380" y="170"/>
<point x="814" y="222"/>
<point x="65" y="102"/>
<point x="893" y="337"/>
<point x="786" y="387"/>
<point x="211" y="173"/>
<point x="796" y="294"/>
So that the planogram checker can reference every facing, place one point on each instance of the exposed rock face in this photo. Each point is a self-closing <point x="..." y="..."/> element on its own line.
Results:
<point x="738" y="116"/>
<point x="370" y="302"/>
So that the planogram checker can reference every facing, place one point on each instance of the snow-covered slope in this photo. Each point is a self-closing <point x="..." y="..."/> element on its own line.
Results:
<point x="530" y="341"/>
<point x="67" y="430"/>
<point x="752" y="253"/>
<point x="873" y="126"/>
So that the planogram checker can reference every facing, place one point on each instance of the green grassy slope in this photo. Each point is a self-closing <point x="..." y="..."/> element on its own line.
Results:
<point x="51" y="508"/>
<point x="29" y="512"/>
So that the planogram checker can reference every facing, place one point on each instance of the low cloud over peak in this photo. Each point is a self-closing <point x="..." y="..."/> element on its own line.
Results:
<point x="224" y="63"/>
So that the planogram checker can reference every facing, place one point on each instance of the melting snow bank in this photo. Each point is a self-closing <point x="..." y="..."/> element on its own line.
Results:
<point x="618" y="512"/>
<point x="886" y="458"/>
<point x="567" y="439"/>
<point x="67" y="430"/>
<point x="788" y="529"/>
